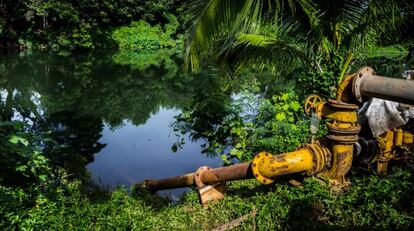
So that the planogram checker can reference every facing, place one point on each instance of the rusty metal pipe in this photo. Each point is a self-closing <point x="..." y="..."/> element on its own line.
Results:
<point x="265" y="168"/>
<point x="229" y="173"/>
<point x="366" y="84"/>
<point x="398" y="90"/>
<point x="169" y="183"/>
<point x="211" y="176"/>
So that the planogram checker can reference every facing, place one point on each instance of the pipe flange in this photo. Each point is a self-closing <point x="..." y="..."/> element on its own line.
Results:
<point x="255" y="167"/>
<point x="198" y="174"/>
<point x="345" y="139"/>
<point x="353" y="130"/>
<point x="356" y="84"/>
<point x="319" y="158"/>
<point x="342" y="105"/>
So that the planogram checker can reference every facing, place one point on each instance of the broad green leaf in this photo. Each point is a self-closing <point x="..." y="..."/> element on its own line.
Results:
<point x="17" y="139"/>
<point x="233" y="152"/>
<point x="43" y="177"/>
<point x="295" y="106"/>
<point x="280" y="116"/>
<point x="224" y="158"/>
<point x="21" y="168"/>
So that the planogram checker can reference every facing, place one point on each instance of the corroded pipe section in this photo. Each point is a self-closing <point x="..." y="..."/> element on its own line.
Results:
<point x="342" y="155"/>
<point x="229" y="173"/>
<point x="398" y="90"/>
<point x="366" y="85"/>
<point x="169" y="183"/>
<point x="208" y="177"/>
<point x="343" y="132"/>
<point x="310" y="158"/>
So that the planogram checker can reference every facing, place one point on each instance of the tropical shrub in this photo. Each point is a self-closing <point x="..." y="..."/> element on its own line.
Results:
<point x="142" y="36"/>
<point x="21" y="157"/>
<point x="25" y="174"/>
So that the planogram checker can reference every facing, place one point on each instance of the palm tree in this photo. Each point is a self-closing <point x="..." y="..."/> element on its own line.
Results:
<point x="276" y="33"/>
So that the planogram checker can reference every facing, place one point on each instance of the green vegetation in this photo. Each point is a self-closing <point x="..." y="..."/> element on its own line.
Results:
<point x="50" y="200"/>
<point x="371" y="203"/>
<point x="322" y="35"/>
<point x="276" y="125"/>
<point x="142" y="36"/>
<point x="142" y="60"/>
<point x="394" y="52"/>
<point x="231" y="103"/>
<point x="75" y="25"/>
<point x="48" y="195"/>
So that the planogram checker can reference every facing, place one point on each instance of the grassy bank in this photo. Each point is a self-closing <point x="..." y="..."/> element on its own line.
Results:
<point x="371" y="203"/>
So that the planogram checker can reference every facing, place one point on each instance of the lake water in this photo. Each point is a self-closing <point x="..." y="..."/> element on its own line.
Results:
<point x="112" y="114"/>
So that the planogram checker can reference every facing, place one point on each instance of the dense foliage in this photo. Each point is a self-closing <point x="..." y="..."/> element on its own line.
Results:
<point x="26" y="178"/>
<point x="84" y="24"/>
<point x="141" y="36"/>
<point x="322" y="35"/>
<point x="47" y="197"/>
<point x="276" y="125"/>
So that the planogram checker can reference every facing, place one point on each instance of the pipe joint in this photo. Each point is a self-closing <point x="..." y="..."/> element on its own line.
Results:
<point x="256" y="167"/>
<point x="321" y="158"/>
<point x="198" y="176"/>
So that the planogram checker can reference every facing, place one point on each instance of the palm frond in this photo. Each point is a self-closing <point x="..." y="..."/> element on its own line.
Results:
<point x="375" y="16"/>
<point x="218" y="21"/>
<point x="270" y="51"/>
<point x="212" y="19"/>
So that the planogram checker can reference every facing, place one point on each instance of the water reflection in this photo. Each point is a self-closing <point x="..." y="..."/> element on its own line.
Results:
<point x="137" y="153"/>
<point x="115" y="114"/>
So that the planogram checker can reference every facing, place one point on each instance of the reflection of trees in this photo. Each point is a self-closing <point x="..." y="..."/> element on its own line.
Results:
<point x="208" y="116"/>
<point x="116" y="92"/>
<point x="77" y="137"/>
<point x="78" y="94"/>
<point x="73" y="97"/>
<point x="208" y="108"/>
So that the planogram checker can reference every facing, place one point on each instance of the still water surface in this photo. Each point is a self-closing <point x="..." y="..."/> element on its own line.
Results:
<point x="112" y="114"/>
<point x="134" y="153"/>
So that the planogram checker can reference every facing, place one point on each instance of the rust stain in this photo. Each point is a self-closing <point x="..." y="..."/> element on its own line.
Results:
<point x="279" y="158"/>
<point x="281" y="169"/>
<point x="342" y="164"/>
<point x="341" y="156"/>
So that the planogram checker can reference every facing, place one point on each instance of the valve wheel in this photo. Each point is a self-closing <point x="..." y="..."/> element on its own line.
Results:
<point x="311" y="102"/>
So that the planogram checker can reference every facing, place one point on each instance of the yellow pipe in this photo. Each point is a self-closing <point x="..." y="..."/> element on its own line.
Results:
<point x="266" y="167"/>
<point x="398" y="137"/>
<point x="386" y="145"/>
<point x="332" y="111"/>
<point x="343" y="129"/>
<point x="342" y="155"/>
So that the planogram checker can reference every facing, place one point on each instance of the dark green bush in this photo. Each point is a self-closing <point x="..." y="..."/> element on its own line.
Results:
<point x="70" y="25"/>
